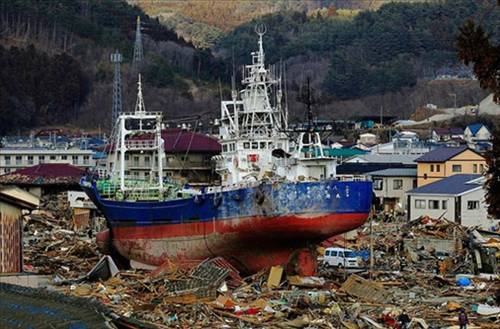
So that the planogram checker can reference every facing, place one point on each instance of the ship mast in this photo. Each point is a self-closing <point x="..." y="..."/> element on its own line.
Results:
<point x="147" y="126"/>
<point x="253" y="121"/>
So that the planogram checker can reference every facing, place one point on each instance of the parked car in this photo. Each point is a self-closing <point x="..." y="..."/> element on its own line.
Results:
<point x="340" y="257"/>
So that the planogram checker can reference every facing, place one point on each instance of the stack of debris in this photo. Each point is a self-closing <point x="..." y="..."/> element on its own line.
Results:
<point x="211" y="293"/>
<point x="51" y="246"/>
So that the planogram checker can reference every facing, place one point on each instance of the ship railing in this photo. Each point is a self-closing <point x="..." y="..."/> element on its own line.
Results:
<point x="134" y="190"/>
<point x="141" y="144"/>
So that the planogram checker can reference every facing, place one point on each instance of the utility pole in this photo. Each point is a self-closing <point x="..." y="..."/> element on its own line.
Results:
<point x="138" y="49"/>
<point x="116" y="59"/>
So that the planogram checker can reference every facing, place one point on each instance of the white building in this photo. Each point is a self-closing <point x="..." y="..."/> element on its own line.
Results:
<point x="459" y="198"/>
<point x="476" y="133"/>
<point x="12" y="159"/>
<point x="404" y="142"/>
<point x="367" y="140"/>
<point x="390" y="187"/>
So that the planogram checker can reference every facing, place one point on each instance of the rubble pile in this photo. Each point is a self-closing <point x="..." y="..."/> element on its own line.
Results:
<point x="52" y="246"/>
<point x="423" y="269"/>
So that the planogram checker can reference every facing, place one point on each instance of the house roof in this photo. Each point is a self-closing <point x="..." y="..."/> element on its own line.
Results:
<point x="15" y="195"/>
<point x="449" y="131"/>
<point x="395" y="172"/>
<point x="442" y="154"/>
<point x="343" y="152"/>
<point x="44" y="174"/>
<point x="474" y="128"/>
<point x="453" y="185"/>
<point x="386" y="158"/>
<point x="179" y="140"/>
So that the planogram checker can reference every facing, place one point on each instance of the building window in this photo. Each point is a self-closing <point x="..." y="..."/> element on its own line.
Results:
<point x="438" y="168"/>
<point x="471" y="205"/>
<point x="456" y="168"/>
<point x="224" y="148"/>
<point x="74" y="159"/>
<point x="433" y="204"/>
<point x="378" y="184"/>
<point x="126" y="157"/>
<point x="246" y="145"/>
<point x="30" y="159"/>
<point x="19" y="160"/>
<point x="262" y="145"/>
<point x="136" y="161"/>
<point x="420" y="204"/>
<point x="432" y="168"/>
<point x="474" y="168"/>
<point x="127" y="173"/>
<point x="41" y="159"/>
<point x="147" y="161"/>
<point x="255" y="145"/>
<point x="7" y="160"/>
<point x="7" y="170"/>
<point x="481" y="168"/>
<point x="64" y="157"/>
<point x="444" y="204"/>
<point x="86" y="159"/>
<point x="207" y="161"/>
<point x="397" y="184"/>
<point x="52" y="157"/>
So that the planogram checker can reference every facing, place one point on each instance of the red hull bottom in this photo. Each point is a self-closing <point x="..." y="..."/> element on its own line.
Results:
<point x="250" y="244"/>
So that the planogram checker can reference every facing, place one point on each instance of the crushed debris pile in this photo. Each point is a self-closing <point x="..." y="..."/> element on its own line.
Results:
<point x="423" y="269"/>
<point x="50" y="244"/>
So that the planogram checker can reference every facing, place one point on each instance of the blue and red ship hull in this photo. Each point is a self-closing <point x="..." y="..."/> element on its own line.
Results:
<point x="252" y="227"/>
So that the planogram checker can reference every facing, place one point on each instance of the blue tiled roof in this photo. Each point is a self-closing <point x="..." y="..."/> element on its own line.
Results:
<point x="474" y="128"/>
<point x="456" y="184"/>
<point x="441" y="154"/>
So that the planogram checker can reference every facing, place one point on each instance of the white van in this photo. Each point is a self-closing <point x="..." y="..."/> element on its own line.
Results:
<point x="340" y="257"/>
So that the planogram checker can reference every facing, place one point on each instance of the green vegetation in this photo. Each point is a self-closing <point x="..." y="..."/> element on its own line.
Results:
<point x="36" y="89"/>
<point x="375" y="51"/>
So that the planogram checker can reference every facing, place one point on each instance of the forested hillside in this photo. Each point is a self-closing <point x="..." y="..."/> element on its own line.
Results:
<point x="359" y="60"/>
<point x="57" y="68"/>
<point x="375" y="52"/>
<point x="205" y="22"/>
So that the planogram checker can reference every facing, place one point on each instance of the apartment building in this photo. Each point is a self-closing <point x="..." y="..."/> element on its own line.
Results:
<point x="12" y="159"/>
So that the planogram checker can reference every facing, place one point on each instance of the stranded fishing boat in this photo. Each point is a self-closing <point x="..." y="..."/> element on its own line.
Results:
<point x="277" y="195"/>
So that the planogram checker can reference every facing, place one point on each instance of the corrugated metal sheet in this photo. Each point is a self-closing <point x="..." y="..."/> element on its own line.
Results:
<point x="11" y="254"/>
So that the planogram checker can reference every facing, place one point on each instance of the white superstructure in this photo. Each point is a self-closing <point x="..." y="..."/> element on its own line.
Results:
<point x="253" y="133"/>
<point x="139" y="131"/>
<point x="252" y="124"/>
